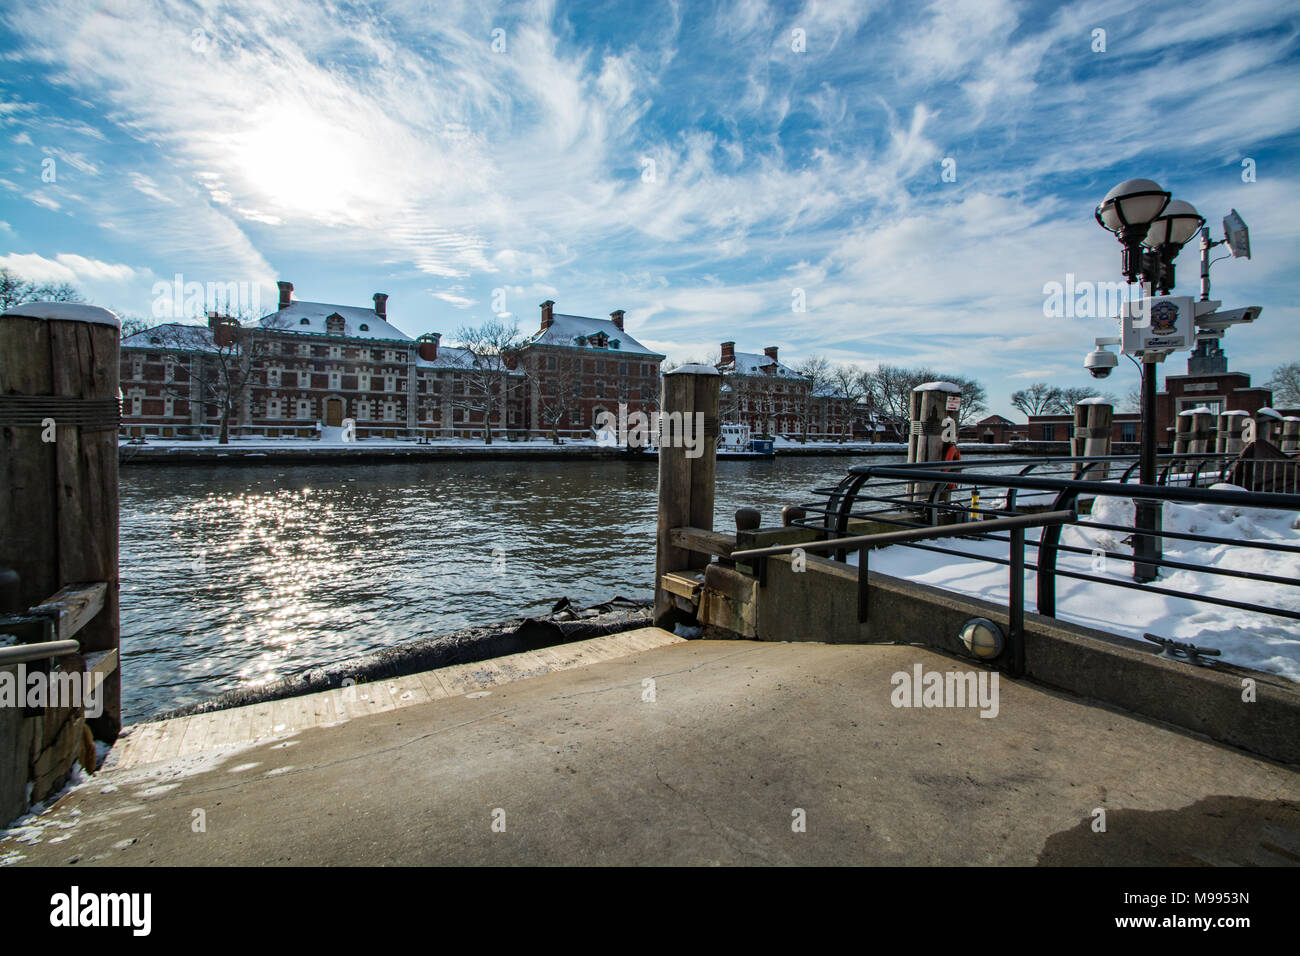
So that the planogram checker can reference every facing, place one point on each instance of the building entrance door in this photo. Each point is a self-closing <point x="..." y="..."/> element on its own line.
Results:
<point x="334" y="412"/>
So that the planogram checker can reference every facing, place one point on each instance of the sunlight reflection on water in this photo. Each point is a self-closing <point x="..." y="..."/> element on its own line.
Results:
<point x="242" y="575"/>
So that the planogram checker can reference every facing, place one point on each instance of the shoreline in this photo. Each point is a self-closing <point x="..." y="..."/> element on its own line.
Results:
<point x="250" y="453"/>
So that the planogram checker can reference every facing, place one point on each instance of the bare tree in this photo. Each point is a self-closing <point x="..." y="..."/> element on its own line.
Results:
<point x="1037" y="399"/>
<point x="489" y="367"/>
<point x="817" y="371"/>
<point x="1285" y="384"/>
<point x="15" y="290"/>
<point x="230" y="347"/>
<point x="558" y="388"/>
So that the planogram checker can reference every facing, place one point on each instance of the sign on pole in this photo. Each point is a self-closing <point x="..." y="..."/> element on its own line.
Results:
<point x="1165" y="323"/>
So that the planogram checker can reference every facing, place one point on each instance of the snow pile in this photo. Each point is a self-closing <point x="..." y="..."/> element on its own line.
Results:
<point x="1247" y="638"/>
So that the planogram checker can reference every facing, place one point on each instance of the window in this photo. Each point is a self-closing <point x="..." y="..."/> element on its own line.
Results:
<point x="273" y="408"/>
<point x="364" y="327"/>
<point x="390" y="383"/>
<point x="336" y="352"/>
<point x="304" y="348"/>
<point x="169" y="404"/>
<point x="304" y="378"/>
<point x="137" y="367"/>
<point x="390" y="411"/>
<point x="137" y="400"/>
<point x="304" y="408"/>
<point x="1128" y="431"/>
<point x="273" y="377"/>
<point x="363" y="410"/>
<point x="336" y="380"/>
<point x="304" y="321"/>
<point x="575" y="417"/>
<point x="363" y="381"/>
<point x="169" y="370"/>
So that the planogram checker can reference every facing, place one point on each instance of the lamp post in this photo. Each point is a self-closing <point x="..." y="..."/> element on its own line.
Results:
<point x="1152" y="230"/>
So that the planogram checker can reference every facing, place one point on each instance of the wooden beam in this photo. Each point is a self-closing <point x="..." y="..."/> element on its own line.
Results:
<point x="74" y="606"/>
<point x="703" y="542"/>
<point x="99" y="664"/>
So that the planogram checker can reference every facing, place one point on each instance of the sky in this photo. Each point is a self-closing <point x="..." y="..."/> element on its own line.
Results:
<point x="871" y="182"/>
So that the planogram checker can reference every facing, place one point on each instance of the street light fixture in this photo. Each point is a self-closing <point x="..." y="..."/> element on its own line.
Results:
<point x="1128" y="211"/>
<point x="1165" y="238"/>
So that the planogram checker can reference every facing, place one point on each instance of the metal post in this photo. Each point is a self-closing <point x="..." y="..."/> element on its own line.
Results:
<point x="1016" y="603"/>
<point x="1146" y="543"/>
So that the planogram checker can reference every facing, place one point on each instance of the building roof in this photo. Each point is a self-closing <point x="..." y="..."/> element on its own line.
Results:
<point x="750" y="363"/>
<point x="172" y="336"/>
<point x="358" y="323"/>
<point x="575" y="332"/>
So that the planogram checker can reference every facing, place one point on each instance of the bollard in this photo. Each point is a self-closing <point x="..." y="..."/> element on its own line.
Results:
<point x="1092" y="435"/>
<point x="1194" y="433"/>
<point x="933" y="404"/>
<point x="790" y="514"/>
<point x="1227" y="439"/>
<point x="59" y="414"/>
<point x="1291" y="435"/>
<point x="689" y="417"/>
<point x="1268" y="426"/>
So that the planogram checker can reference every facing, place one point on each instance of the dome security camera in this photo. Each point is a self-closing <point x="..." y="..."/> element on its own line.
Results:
<point x="1100" y="362"/>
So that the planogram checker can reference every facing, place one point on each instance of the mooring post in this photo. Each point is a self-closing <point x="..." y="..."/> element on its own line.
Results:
<point x="688" y="455"/>
<point x="1092" y="435"/>
<point x="1228" y="438"/>
<point x="59" y="413"/>
<point x="935" y="411"/>
<point x="1291" y="434"/>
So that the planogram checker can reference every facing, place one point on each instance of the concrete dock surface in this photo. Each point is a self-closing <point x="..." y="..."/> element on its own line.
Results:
<point x="697" y="753"/>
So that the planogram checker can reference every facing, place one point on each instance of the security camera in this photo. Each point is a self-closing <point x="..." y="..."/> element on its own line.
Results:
<point x="1217" y="321"/>
<point x="1100" y="363"/>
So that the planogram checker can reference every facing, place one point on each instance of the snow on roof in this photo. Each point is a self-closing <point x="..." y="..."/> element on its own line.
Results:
<point x="308" y="318"/>
<point x="937" y="387"/>
<point x="1267" y="412"/>
<point x="454" y="357"/>
<point x="173" y="335"/>
<point x="1199" y="410"/>
<point x="694" y="370"/>
<point x="750" y="363"/>
<point x="1095" y="400"/>
<point x="1235" y="412"/>
<point x="65" y="312"/>
<point x="575" y="332"/>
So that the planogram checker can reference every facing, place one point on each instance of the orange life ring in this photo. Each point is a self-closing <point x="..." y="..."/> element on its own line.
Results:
<point x="952" y="454"/>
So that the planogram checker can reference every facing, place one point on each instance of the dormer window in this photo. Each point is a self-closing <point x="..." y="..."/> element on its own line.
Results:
<point x="613" y="343"/>
<point x="364" y="327"/>
<point x="304" y="321"/>
<point x="579" y="340"/>
<point x="334" y="324"/>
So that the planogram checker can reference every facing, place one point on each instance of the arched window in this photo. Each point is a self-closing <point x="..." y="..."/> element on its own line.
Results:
<point x="364" y="327"/>
<point x="304" y="321"/>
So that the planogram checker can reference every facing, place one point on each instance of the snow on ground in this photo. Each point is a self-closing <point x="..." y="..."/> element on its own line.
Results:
<point x="1247" y="638"/>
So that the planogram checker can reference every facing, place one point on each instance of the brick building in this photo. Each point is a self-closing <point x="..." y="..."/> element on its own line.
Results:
<point x="314" y="363"/>
<point x="577" y="367"/>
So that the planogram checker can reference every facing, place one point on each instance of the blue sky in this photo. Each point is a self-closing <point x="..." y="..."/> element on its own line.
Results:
<point x="682" y="161"/>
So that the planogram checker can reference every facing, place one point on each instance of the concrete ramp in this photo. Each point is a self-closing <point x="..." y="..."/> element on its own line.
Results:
<point x="698" y="752"/>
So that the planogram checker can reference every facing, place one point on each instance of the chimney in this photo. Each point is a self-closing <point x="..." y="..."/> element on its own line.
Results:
<point x="381" y="304"/>
<point x="728" y="353"/>
<point x="547" y="314"/>
<point x="286" y="294"/>
<point x="770" y="352"/>
<point x="429" y="345"/>
<point x="617" y="318"/>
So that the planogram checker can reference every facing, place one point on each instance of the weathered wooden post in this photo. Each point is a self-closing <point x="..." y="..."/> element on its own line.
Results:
<point x="688" y="457"/>
<point x="1092" y="435"/>
<point x="1227" y="439"/>
<point x="1268" y="426"/>
<point x="1195" y="431"/>
<point x="933" y="404"/>
<point x="1291" y="434"/>
<point x="59" y="414"/>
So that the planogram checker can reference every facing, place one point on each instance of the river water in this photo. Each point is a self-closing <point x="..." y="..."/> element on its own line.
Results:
<point x="241" y="575"/>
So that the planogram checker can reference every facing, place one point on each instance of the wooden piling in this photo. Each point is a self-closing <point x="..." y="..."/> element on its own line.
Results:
<point x="689" y="414"/>
<point x="1092" y="435"/>
<point x="59" y="410"/>
<point x="1194" y="431"/>
<point x="1227" y="439"/>
<point x="1291" y="435"/>
<point x="925" y="440"/>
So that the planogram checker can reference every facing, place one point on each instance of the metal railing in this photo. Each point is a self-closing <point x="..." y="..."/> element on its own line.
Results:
<point x="955" y="494"/>
<point x="863" y="544"/>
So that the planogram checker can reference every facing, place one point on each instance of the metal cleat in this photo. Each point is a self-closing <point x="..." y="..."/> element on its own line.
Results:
<point x="1184" y="651"/>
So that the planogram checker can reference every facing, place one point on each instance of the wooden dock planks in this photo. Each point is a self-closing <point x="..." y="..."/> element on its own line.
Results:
<point x="185" y="736"/>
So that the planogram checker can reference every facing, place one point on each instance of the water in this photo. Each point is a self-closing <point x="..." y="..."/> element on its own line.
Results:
<point x="234" y="576"/>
